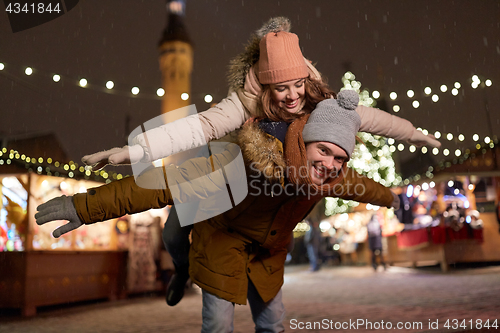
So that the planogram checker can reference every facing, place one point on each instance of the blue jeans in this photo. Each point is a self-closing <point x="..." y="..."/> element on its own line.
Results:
<point x="313" y="254"/>
<point x="218" y="314"/>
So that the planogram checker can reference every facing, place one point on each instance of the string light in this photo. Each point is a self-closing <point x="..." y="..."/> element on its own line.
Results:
<point x="184" y="96"/>
<point x="28" y="71"/>
<point x="55" y="168"/>
<point x="110" y="84"/>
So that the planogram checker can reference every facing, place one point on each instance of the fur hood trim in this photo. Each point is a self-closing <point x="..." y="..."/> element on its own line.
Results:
<point x="240" y="65"/>
<point x="262" y="153"/>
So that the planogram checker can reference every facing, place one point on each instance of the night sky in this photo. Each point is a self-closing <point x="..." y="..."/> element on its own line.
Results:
<point x="389" y="46"/>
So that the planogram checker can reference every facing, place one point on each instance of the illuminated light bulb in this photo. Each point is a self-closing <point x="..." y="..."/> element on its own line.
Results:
<point x="461" y="137"/>
<point x="456" y="191"/>
<point x="208" y="98"/>
<point x="458" y="153"/>
<point x="160" y="92"/>
<point x="475" y="78"/>
<point x="410" y="93"/>
<point x="425" y="131"/>
<point x="471" y="187"/>
<point x="396" y="108"/>
<point x="437" y="134"/>
<point x="457" y="85"/>
<point x="412" y="148"/>
<point x="487" y="139"/>
<point x="393" y="95"/>
<point x="110" y="84"/>
<point x="401" y="147"/>
<point x="435" y="98"/>
<point x="478" y="146"/>
<point x="446" y="152"/>
<point x="392" y="149"/>
<point x="184" y="96"/>
<point x="435" y="151"/>
<point x="454" y="91"/>
<point x="375" y="94"/>
<point x="425" y="186"/>
<point x="424" y="150"/>
<point x="427" y="90"/>
<point x="390" y="141"/>
<point x="475" y="137"/>
<point x="135" y="90"/>
<point x="56" y="78"/>
<point x="63" y="186"/>
<point x="488" y="82"/>
<point x="444" y="88"/>
<point x="432" y="184"/>
<point x="474" y="85"/>
<point x="449" y="136"/>
<point x="83" y="82"/>
<point x="451" y="183"/>
<point x="28" y="71"/>
<point x="2" y="66"/>
<point x="415" y="104"/>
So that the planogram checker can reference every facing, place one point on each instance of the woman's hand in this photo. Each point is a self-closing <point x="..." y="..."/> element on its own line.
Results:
<point x="114" y="156"/>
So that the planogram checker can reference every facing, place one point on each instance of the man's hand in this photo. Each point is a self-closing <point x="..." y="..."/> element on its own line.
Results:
<point x="114" y="156"/>
<point x="60" y="208"/>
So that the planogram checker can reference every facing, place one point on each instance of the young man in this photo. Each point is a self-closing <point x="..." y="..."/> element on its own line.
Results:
<point x="240" y="254"/>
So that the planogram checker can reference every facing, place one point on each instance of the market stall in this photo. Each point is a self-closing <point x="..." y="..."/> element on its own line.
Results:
<point x="106" y="260"/>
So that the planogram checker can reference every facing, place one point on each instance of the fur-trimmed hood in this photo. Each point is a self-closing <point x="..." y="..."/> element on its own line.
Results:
<point x="240" y="65"/>
<point x="262" y="153"/>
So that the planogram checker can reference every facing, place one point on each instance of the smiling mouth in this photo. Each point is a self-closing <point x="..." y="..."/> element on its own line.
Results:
<point x="293" y="104"/>
<point x="320" y="173"/>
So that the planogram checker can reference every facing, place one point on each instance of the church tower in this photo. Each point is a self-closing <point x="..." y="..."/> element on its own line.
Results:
<point x="176" y="58"/>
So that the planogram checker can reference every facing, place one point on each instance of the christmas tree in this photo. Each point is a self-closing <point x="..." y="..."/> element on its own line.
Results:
<point x="372" y="158"/>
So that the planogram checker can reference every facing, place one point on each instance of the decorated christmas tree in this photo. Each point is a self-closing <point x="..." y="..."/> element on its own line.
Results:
<point x="372" y="158"/>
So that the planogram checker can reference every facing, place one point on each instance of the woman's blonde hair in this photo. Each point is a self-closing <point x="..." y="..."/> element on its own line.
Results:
<point x="315" y="92"/>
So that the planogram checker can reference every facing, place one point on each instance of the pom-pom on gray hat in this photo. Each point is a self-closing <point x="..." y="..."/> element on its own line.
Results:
<point x="335" y="121"/>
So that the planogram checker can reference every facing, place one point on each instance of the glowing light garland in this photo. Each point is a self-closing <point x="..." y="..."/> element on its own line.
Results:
<point x="50" y="167"/>
<point x="108" y="87"/>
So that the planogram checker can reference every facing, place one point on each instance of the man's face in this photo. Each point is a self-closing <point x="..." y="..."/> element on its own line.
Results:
<point x="324" y="160"/>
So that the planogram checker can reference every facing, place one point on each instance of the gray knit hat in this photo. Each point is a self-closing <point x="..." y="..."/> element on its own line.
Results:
<point x="335" y="121"/>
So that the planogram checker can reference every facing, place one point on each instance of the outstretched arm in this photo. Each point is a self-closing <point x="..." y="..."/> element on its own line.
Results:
<point x="360" y="188"/>
<point x="195" y="179"/>
<point x="178" y="136"/>
<point x="379" y="122"/>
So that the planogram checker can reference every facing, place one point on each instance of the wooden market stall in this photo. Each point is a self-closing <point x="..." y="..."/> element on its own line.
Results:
<point x="106" y="260"/>
<point x="478" y="176"/>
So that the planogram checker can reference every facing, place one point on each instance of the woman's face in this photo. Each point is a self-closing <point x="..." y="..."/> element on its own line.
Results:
<point x="289" y="95"/>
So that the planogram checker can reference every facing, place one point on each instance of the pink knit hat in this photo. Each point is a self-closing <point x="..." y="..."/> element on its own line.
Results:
<point x="280" y="58"/>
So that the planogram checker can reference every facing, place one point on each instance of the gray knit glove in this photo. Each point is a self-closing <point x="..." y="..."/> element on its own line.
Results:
<point x="60" y="208"/>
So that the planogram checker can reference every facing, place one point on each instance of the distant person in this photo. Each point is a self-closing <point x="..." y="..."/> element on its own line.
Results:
<point x="375" y="239"/>
<point x="312" y="240"/>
